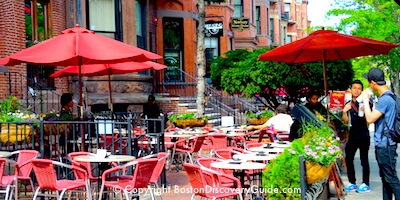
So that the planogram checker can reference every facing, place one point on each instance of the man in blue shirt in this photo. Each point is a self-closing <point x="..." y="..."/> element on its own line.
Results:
<point x="383" y="117"/>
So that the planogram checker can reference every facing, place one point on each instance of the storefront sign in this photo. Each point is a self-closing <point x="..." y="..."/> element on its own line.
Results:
<point x="240" y="24"/>
<point x="336" y="101"/>
<point x="214" y="29"/>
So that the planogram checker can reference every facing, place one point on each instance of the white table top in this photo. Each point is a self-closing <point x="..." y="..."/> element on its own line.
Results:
<point x="111" y="158"/>
<point x="178" y="135"/>
<point x="266" y="150"/>
<point x="196" y="131"/>
<point x="242" y="165"/>
<point x="279" y="144"/>
<point x="255" y="156"/>
<point x="5" y="154"/>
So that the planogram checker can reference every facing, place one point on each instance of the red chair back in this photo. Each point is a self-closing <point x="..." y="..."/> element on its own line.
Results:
<point x="143" y="172"/>
<point x="45" y="174"/>
<point x="196" y="179"/>
<point x="162" y="159"/>
<point x="23" y="161"/>
<point x="86" y="165"/>
<point x="219" y="141"/>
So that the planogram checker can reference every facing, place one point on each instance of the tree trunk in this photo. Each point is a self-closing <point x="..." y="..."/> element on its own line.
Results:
<point x="201" y="68"/>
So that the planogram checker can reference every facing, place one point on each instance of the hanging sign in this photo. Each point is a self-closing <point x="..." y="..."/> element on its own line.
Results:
<point x="214" y="29"/>
<point x="240" y="24"/>
<point x="336" y="103"/>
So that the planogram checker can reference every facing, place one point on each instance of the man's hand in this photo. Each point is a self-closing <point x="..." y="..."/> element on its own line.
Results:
<point x="347" y="107"/>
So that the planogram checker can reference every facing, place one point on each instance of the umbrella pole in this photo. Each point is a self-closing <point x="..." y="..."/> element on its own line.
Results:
<point x="81" y="104"/>
<point x="110" y="95"/>
<point x="325" y="84"/>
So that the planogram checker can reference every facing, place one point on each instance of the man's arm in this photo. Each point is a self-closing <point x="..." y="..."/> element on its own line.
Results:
<point x="370" y="116"/>
<point x="345" y="116"/>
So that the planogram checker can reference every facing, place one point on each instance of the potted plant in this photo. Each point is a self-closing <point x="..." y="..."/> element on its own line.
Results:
<point x="258" y="118"/>
<point x="18" y="122"/>
<point x="55" y="128"/>
<point x="189" y="119"/>
<point x="318" y="146"/>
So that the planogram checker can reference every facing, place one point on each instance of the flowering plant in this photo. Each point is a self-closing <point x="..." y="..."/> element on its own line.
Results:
<point x="174" y="117"/>
<point x="55" y="115"/>
<point x="12" y="111"/>
<point x="258" y="114"/>
<point x="320" y="145"/>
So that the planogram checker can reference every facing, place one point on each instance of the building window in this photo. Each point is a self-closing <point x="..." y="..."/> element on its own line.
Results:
<point x="212" y="46"/>
<point x="102" y="17"/>
<point x="141" y="24"/>
<point x="37" y="29"/>
<point x="258" y="19"/>
<point x="238" y="8"/>
<point x="173" y="48"/>
<point x="271" y="25"/>
<point x="288" y="39"/>
<point x="287" y="10"/>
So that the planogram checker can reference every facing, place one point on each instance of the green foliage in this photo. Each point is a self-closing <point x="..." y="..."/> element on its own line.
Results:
<point x="189" y="115"/>
<point x="258" y="115"/>
<point x="10" y="105"/>
<point x="282" y="173"/>
<point x="242" y="72"/>
<point x="379" y="20"/>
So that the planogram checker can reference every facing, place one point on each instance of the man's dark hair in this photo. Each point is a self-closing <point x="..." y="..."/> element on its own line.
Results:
<point x="65" y="99"/>
<point x="151" y="98"/>
<point x="282" y="108"/>
<point x="311" y="94"/>
<point x="357" y="82"/>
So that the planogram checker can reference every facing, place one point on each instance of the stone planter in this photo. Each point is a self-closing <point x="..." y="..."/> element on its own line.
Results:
<point x="257" y="121"/>
<point x="183" y="123"/>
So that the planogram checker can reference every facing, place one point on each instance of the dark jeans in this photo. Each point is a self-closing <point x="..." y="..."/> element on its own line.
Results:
<point x="386" y="158"/>
<point x="351" y="148"/>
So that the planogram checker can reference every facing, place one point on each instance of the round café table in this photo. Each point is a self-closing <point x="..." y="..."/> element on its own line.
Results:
<point x="270" y="150"/>
<point x="5" y="154"/>
<point x="98" y="159"/>
<point x="241" y="166"/>
<point x="254" y="156"/>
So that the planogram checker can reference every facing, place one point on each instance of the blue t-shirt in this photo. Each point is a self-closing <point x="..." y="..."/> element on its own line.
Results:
<point x="385" y="105"/>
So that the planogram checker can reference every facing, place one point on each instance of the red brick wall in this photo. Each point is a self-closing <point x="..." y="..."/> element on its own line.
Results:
<point x="12" y="37"/>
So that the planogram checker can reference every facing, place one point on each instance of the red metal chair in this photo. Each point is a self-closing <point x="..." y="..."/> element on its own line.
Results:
<point x="193" y="146"/>
<point x="140" y="179"/>
<point x="24" y="166"/>
<point x="219" y="141"/>
<point x="197" y="178"/>
<point x="206" y="163"/>
<point x="46" y="177"/>
<point x="85" y="165"/>
<point x="6" y="181"/>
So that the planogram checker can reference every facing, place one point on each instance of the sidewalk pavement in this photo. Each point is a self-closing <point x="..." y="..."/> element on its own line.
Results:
<point x="375" y="179"/>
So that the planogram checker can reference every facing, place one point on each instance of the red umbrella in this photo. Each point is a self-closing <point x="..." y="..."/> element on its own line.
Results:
<point x="323" y="45"/>
<point x="79" y="46"/>
<point x="108" y="69"/>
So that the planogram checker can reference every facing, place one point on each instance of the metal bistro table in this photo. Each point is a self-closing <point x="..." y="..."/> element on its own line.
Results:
<point x="241" y="166"/>
<point x="94" y="158"/>
<point x="5" y="154"/>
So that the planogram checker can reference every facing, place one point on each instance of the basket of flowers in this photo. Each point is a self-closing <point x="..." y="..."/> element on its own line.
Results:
<point x="258" y="118"/>
<point x="321" y="150"/>
<point x="55" y="128"/>
<point x="17" y="124"/>
<point x="190" y="119"/>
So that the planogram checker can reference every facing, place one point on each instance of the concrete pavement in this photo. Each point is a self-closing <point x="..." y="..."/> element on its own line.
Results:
<point x="375" y="179"/>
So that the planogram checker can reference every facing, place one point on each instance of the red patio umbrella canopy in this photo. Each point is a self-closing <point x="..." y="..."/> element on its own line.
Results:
<point x="323" y="45"/>
<point x="327" y="45"/>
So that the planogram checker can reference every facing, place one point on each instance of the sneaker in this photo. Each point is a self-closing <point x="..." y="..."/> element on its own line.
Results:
<point x="363" y="188"/>
<point x="351" y="187"/>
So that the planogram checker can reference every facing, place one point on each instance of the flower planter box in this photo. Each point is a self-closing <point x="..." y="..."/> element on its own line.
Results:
<point x="13" y="133"/>
<point x="316" y="172"/>
<point x="183" y="123"/>
<point x="55" y="129"/>
<point x="257" y="121"/>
